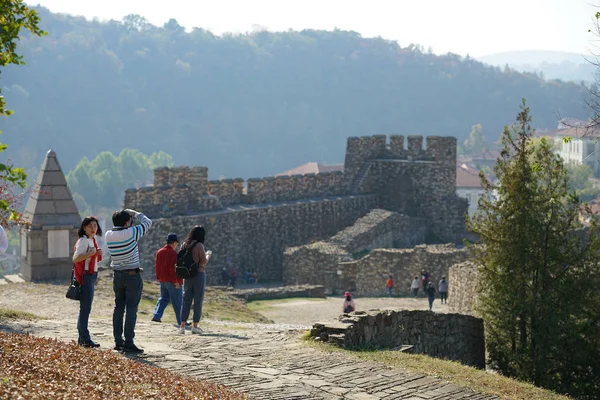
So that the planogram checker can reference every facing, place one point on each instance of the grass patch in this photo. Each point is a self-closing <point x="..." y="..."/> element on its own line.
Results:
<point x="40" y="368"/>
<point x="266" y="305"/>
<point x="218" y="304"/>
<point x="478" y="380"/>
<point x="8" y="314"/>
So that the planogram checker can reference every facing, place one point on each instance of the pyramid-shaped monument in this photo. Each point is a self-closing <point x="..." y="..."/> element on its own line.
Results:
<point x="47" y="245"/>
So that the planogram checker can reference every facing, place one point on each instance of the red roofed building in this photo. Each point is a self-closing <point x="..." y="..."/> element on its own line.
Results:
<point x="312" y="168"/>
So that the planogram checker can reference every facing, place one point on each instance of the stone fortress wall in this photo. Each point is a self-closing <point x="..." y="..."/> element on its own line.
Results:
<point x="252" y="222"/>
<point x="462" y="288"/>
<point x="449" y="336"/>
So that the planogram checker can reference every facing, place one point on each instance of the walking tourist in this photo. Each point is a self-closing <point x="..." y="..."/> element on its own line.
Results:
<point x="443" y="288"/>
<point x="348" y="305"/>
<point x="193" y="288"/>
<point x="170" y="286"/>
<point x="389" y="285"/>
<point x="415" y="286"/>
<point x="430" y="294"/>
<point x="86" y="257"/>
<point x="122" y="242"/>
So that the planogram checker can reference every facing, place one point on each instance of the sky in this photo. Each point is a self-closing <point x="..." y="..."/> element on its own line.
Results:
<point x="474" y="27"/>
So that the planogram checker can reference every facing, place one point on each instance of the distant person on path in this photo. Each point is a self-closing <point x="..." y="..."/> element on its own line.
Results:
<point x="389" y="285"/>
<point x="348" y="305"/>
<point x="415" y="286"/>
<point x="425" y="280"/>
<point x="225" y="277"/>
<point x="86" y="257"/>
<point x="193" y="288"/>
<point x="443" y="288"/>
<point x="122" y="242"/>
<point x="430" y="294"/>
<point x="233" y="277"/>
<point x="3" y="241"/>
<point x="170" y="286"/>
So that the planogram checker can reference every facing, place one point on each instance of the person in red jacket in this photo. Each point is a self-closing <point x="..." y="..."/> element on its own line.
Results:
<point x="170" y="285"/>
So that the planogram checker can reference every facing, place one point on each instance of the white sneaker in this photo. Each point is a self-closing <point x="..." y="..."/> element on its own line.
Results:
<point x="182" y="330"/>
<point x="196" y="330"/>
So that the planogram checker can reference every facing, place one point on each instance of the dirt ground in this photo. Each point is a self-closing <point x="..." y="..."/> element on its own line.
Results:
<point x="309" y="311"/>
<point x="48" y="301"/>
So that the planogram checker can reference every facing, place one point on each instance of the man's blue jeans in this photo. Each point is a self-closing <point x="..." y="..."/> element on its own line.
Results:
<point x="168" y="293"/>
<point x="85" y="305"/>
<point x="128" y="293"/>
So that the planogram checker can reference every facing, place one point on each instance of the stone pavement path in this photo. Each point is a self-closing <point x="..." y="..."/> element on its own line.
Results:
<point x="264" y="361"/>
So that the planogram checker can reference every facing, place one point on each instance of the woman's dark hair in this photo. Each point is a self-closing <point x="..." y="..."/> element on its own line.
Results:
<point x="348" y="298"/>
<point x="197" y="233"/>
<point x="86" y="221"/>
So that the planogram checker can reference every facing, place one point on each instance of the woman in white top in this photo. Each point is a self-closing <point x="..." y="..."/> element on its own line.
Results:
<point x="87" y="256"/>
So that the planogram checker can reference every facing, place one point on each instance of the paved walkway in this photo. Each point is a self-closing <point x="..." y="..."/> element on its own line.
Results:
<point x="264" y="361"/>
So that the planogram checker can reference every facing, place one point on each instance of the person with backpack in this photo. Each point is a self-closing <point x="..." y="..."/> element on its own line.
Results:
<point x="122" y="241"/>
<point x="194" y="257"/>
<point x="170" y="286"/>
<point x="348" y="305"/>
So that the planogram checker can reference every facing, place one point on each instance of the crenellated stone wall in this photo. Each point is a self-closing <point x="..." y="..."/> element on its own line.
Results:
<point x="449" y="336"/>
<point x="415" y="181"/>
<point x="463" y="279"/>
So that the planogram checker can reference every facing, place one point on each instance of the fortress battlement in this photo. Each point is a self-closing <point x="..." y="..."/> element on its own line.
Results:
<point x="187" y="191"/>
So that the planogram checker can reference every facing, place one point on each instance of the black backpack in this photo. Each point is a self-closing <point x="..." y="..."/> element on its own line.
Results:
<point x="186" y="268"/>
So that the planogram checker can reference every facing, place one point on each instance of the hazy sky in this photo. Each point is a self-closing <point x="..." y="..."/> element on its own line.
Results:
<point x="475" y="27"/>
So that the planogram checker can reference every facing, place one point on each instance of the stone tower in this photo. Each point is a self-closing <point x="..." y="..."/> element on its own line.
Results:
<point x="47" y="245"/>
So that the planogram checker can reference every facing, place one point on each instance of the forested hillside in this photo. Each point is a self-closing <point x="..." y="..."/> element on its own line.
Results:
<point x="247" y="105"/>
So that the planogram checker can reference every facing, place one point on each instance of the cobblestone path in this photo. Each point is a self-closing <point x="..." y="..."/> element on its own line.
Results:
<point x="264" y="361"/>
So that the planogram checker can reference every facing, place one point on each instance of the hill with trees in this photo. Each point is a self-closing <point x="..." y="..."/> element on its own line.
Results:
<point x="248" y="105"/>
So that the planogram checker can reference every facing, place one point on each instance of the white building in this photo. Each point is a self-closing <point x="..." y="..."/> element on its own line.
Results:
<point x="468" y="185"/>
<point x="583" y="148"/>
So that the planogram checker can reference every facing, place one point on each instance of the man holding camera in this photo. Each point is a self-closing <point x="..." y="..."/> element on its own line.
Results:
<point x="122" y="242"/>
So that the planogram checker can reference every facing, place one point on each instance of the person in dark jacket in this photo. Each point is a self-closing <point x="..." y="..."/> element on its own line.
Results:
<point x="430" y="294"/>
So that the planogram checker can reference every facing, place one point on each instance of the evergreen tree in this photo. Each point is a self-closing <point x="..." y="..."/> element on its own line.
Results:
<point x="539" y="269"/>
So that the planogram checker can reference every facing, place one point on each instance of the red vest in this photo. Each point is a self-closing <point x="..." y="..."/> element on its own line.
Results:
<point x="79" y="267"/>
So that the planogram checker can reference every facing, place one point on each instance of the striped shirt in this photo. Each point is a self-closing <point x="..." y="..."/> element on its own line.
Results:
<point x="123" y="243"/>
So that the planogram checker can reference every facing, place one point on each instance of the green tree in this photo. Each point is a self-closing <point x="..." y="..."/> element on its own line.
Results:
<point x="14" y="16"/>
<point x="539" y="271"/>
<point x="476" y="142"/>
<point x="99" y="184"/>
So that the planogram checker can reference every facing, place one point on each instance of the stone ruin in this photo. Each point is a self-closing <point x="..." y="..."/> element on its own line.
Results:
<point x="453" y="337"/>
<point x="250" y="223"/>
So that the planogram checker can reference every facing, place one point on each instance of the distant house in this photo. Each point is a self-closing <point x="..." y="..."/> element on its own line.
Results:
<point x="468" y="185"/>
<point x="583" y="148"/>
<point x="312" y="168"/>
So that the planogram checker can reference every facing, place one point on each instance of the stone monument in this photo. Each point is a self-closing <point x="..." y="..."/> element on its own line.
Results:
<point x="47" y="244"/>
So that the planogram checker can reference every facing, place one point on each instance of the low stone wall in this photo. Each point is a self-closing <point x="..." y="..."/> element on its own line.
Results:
<point x="282" y="292"/>
<point x="314" y="264"/>
<point x="330" y="262"/>
<point x="463" y="279"/>
<point x="454" y="337"/>
<point x="404" y="264"/>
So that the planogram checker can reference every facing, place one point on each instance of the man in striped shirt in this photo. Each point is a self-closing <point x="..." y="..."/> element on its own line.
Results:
<point x="122" y="242"/>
